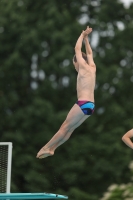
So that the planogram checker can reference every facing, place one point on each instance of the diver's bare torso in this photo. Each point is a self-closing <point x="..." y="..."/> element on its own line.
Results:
<point x="86" y="82"/>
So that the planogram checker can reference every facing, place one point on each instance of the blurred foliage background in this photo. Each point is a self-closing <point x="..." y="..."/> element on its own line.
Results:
<point x="37" y="89"/>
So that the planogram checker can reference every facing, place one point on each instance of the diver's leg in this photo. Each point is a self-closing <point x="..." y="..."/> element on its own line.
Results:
<point x="73" y="118"/>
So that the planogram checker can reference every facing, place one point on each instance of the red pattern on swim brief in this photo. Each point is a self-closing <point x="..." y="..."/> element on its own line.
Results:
<point x="80" y="103"/>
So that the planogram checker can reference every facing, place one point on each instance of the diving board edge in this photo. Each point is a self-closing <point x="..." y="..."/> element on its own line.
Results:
<point x="32" y="196"/>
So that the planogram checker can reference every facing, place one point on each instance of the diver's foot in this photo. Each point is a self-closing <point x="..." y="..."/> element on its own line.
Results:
<point x="43" y="153"/>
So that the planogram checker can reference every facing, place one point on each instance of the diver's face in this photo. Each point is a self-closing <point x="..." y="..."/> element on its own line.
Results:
<point x="76" y="66"/>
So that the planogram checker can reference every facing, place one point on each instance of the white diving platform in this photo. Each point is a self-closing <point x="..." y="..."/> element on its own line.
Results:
<point x="20" y="196"/>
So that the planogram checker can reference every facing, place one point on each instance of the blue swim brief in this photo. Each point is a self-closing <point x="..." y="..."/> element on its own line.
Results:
<point x="86" y="106"/>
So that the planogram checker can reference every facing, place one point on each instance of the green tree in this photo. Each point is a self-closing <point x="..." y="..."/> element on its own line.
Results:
<point x="121" y="191"/>
<point x="37" y="89"/>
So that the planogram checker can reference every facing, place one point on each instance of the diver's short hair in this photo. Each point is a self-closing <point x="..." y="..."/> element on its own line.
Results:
<point x="83" y="55"/>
